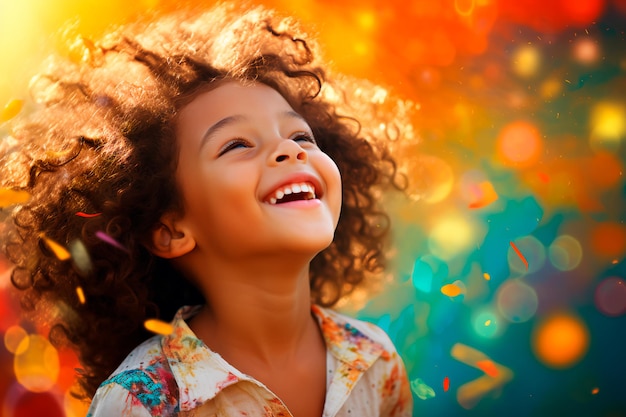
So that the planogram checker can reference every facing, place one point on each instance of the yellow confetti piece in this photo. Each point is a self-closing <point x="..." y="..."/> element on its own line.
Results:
<point x="9" y="197"/>
<point x="81" y="295"/>
<point x="451" y="290"/>
<point x="487" y="276"/>
<point x="488" y="322"/>
<point x="11" y="109"/>
<point x="158" y="326"/>
<point x="59" y="251"/>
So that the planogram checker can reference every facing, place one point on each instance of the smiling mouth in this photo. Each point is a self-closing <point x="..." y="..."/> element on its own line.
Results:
<point x="293" y="192"/>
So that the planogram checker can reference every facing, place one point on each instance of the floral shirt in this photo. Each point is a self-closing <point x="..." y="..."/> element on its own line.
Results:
<point x="179" y="375"/>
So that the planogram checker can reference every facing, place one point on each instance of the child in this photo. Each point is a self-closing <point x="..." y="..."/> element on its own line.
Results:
<point x="197" y="172"/>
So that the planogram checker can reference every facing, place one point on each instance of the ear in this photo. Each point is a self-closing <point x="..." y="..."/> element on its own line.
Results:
<point x="171" y="239"/>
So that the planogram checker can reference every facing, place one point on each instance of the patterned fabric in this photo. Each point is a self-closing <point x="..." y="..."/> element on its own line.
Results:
<point x="179" y="375"/>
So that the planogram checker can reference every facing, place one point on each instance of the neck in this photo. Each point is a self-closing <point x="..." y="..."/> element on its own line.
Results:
<point x="258" y="309"/>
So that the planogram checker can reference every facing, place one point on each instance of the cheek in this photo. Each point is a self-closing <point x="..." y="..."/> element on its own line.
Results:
<point x="333" y="182"/>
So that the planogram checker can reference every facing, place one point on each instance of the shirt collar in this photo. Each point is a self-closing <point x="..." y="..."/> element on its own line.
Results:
<point x="201" y="373"/>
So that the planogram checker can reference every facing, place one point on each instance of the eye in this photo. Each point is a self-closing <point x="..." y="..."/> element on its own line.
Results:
<point x="304" y="136"/>
<point x="234" y="144"/>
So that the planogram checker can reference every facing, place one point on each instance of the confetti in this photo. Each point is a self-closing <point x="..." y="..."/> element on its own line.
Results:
<point x="59" y="251"/>
<point x="422" y="390"/>
<point x="446" y="384"/>
<point x="11" y="109"/>
<point x="158" y="326"/>
<point x="485" y="195"/>
<point x="487" y="276"/>
<point x="451" y="290"/>
<point x="521" y="256"/>
<point x="9" y="197"/>
<point x="81" y="295"/>
<point x="488" y="367"/>
<point x="488" y="323"/>
<point x="87" y="215"/>
<point x="470" y="393"/>
<point x="108" y="239"/>
<point x="544" y="177"/>
<point x="595" y="391"/>
<point x="80" y="257"/>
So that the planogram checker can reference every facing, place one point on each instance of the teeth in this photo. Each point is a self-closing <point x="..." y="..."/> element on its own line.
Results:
<point x="307" y="188"/>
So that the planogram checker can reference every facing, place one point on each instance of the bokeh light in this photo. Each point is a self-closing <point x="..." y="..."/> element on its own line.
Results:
<point x="565" y="253"/>
<point x="608" y="240"/>
<point x="607" y="126"/>
<point x="431" y="178"/>
<point x="13" y="338"/>
<point x="21" y="402"/>
<point x="560" y="340"/>
<point x="452" y="235"/>
<point x="526" y="61"/>
<point x="487" y="323"/>
<point x="610" y="296"/>
<point x="533" y="252"/>
<point x="517" y="301"/>
<point x="586" y="51"/>
<point x="519" y="144"/>
<point x="37" y="366"/>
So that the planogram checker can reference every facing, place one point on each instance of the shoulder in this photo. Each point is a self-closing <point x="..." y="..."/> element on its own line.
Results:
<point x="143" y="384"/>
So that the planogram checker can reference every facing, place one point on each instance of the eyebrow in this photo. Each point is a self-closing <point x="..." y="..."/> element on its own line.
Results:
<point x="221" y="124"/>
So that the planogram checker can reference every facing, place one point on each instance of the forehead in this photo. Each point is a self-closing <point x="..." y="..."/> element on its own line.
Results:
<point x="232" y="97"/>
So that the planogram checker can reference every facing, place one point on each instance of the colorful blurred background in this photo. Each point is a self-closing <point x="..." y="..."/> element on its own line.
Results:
<point x="507" y="292"/>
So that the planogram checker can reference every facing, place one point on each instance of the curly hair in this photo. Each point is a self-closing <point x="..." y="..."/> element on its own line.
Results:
<point x="98" y="156"/>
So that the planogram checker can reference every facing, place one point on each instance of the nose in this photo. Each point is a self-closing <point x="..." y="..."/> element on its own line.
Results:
<point x="288" y="150"/>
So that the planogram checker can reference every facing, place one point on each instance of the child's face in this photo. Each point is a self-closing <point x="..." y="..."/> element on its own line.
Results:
<point x="243" y="150"/>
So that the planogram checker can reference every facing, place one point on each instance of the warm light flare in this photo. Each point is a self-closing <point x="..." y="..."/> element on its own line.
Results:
<point x="560" y="340"/>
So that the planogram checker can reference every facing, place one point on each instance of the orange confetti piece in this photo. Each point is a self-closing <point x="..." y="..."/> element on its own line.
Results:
<point x="595" y="391"/>
<point x="614" y="261"/>
<point x="81" y="295"/>
<point x="158" y="326"/>
<point x="544" y="177"/>
<point x="485" y="194"/>
<point x="451" y="290"/>
<point x="487" y="276"/>
<point x="488" y="367"/>
<point x="87" y="215"/>
<point x="11" y="109"/>
<point x="521" y="256"/>
<point x="446" y="384"/>
<point x="9" y="197"/>
<point x="59" y="251"/>
<point x="470" y="393"/>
